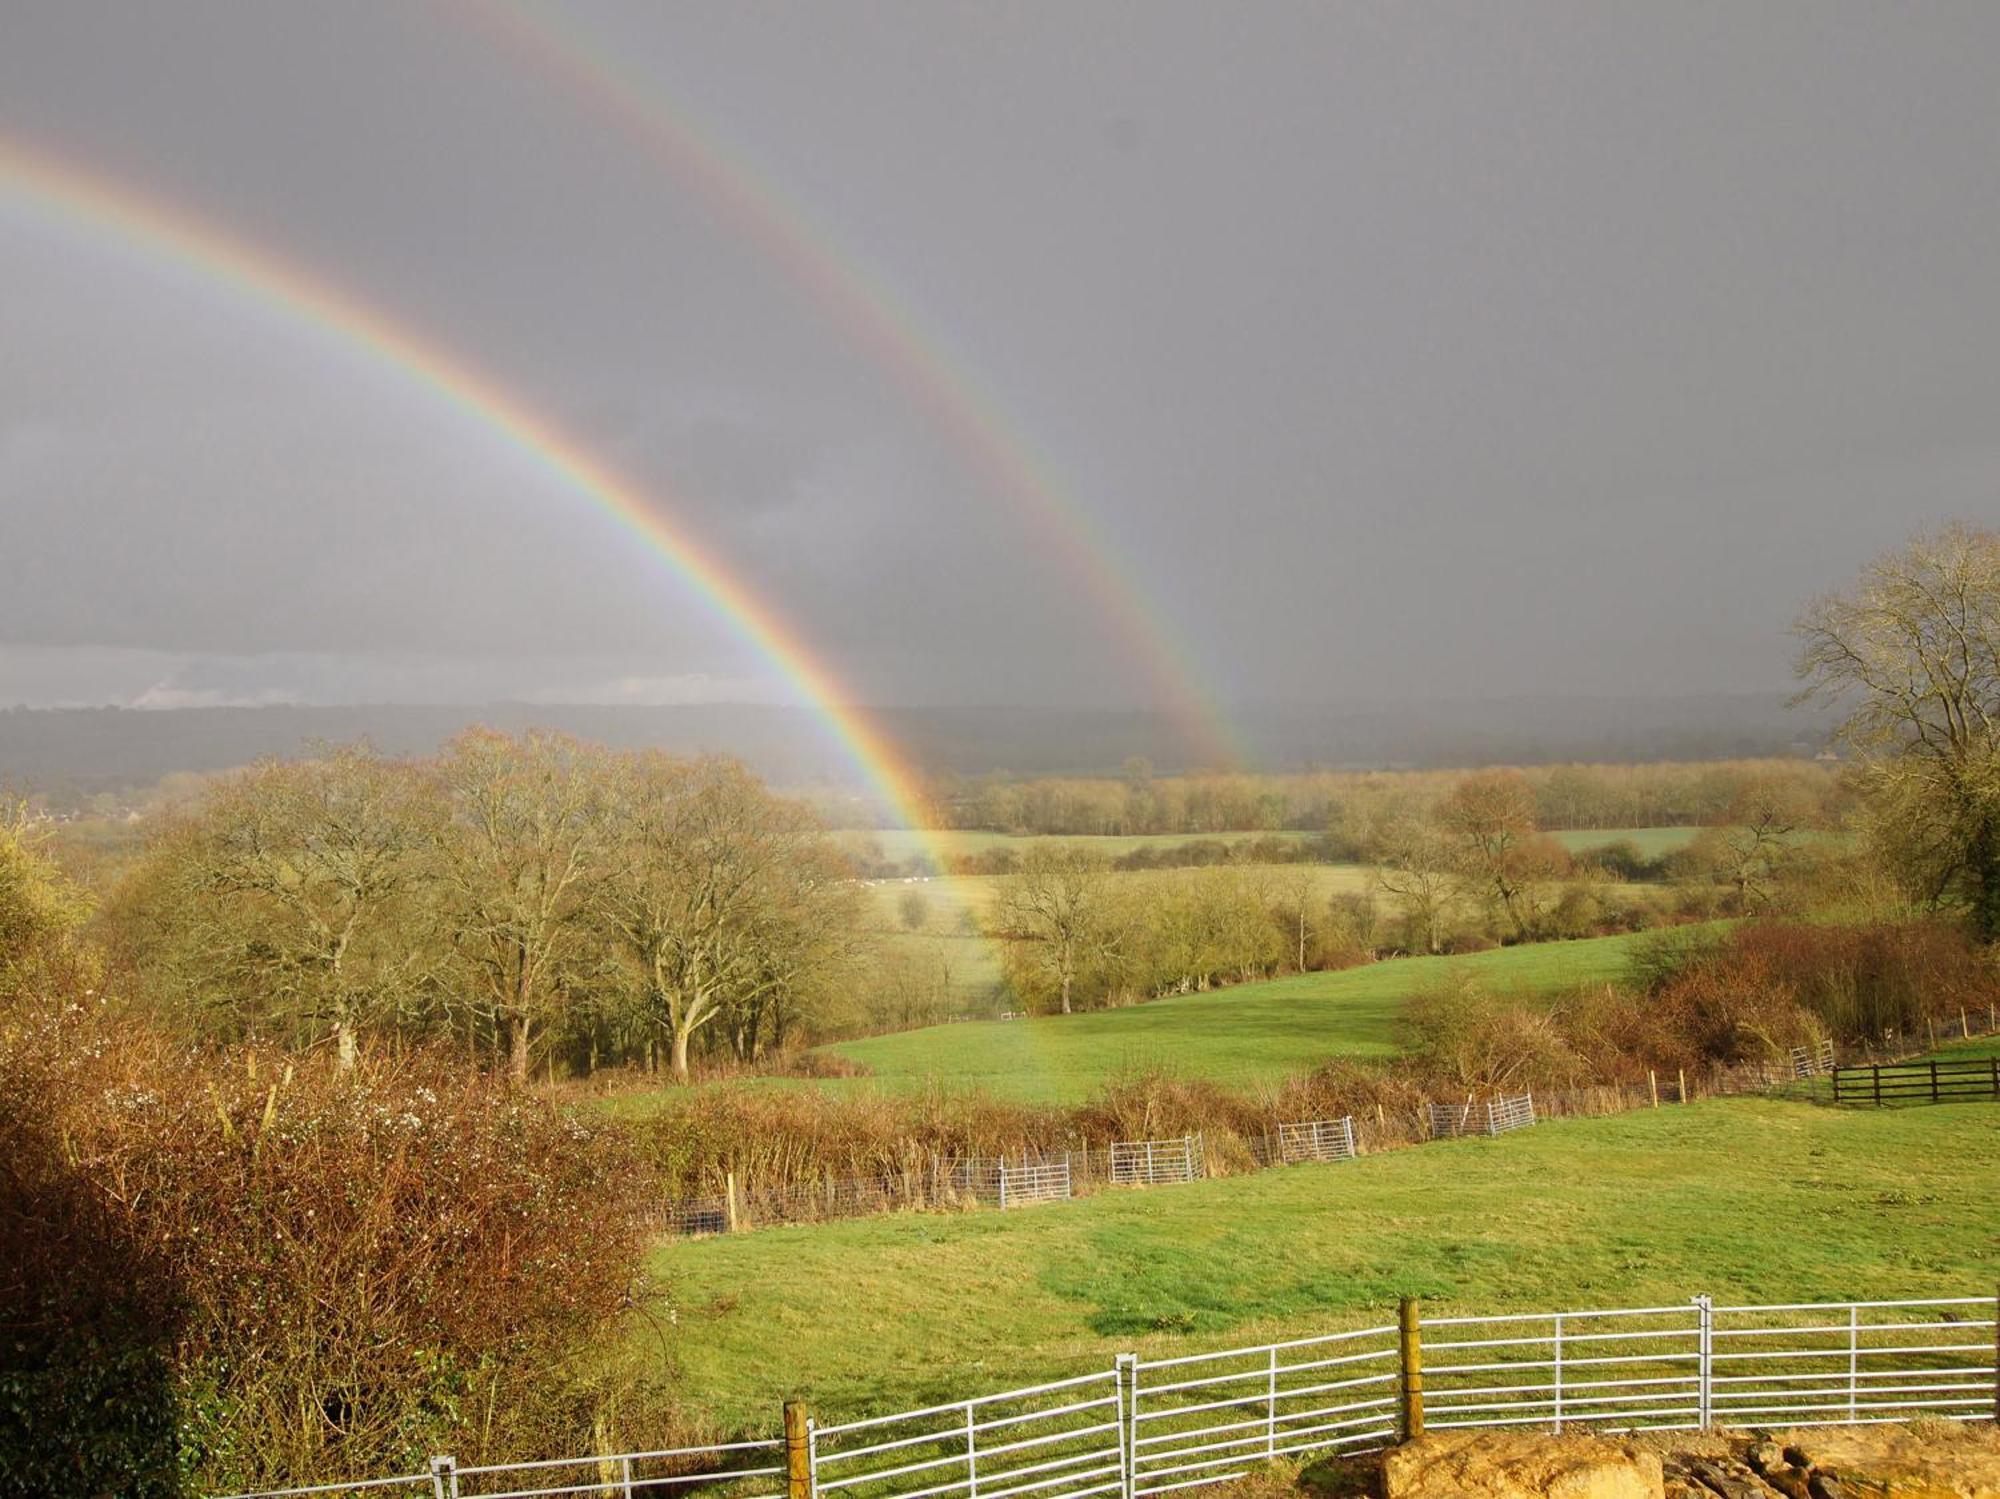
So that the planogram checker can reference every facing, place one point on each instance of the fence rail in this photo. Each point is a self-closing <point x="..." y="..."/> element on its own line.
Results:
<point x="1152" y="1426"/>
<point x="954" y="1182"/>
<point x="1153" y="1163"/>
<point x="1024" y="1184"/>
<point x="1503" y="1114"/>
<point x="1918" y="1082"/>
<point x="1317" y="1140"/>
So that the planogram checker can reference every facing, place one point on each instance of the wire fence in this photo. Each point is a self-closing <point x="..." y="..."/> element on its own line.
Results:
<point x="943" y="1183"/>
<point x="1317" y="1140"/>
<point x="1025" y="1184"/>
<point x="1503" y="1114"/>
<point x="1152" y="1426"/>
<point x="1153" y="1163"/>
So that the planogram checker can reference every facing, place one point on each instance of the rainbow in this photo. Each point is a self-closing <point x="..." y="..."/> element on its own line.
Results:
<point x="889" y="331"/>
<point x="72" y="195"/>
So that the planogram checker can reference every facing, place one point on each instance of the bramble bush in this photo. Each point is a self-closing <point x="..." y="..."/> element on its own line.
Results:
<point x="229" y="1271"/>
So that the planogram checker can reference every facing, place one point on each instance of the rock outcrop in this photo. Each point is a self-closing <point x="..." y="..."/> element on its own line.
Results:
<point x="1503" y="1465"/>
<point x="1928" y="1460"/>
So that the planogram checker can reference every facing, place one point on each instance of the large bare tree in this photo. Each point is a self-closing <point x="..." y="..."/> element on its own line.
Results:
<point x="1055" y="905"/>
<point x="524" y="851"/>
<point x="1911" y="651"/>
<point x="725" y="897"/>
<point x="1416" y="867"/>
<point x="1490" y="819"/>
<point x="287" y="895"/>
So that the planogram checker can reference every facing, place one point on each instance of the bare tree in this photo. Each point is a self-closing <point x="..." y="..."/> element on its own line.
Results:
<point x="726" y="897"/>
<point x="525" y="846"/>
<point x="1416" y="868"/>
<point x="1490" y="819"/>
<point x="1056" y="900"/>
<point x="288" y="892"/>
<point x="1912" y="650"/>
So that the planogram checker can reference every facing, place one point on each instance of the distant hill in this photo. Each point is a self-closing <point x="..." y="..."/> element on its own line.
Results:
<point x="68" y="753"/>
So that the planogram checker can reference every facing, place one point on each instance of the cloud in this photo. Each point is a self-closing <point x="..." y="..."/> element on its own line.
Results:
<point x="168" y="693"/>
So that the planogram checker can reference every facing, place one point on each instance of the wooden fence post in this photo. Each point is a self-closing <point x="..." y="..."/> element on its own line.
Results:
<point x="1653" y="1086"/>
<point x="729" y="1217"/>
<point x="798" y="1450"/>
<point x="1684" y="1084"/>
<point x="1411" y="1351"/>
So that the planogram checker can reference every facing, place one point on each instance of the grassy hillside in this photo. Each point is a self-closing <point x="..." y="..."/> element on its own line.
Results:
<point x="1754" y="1199"/>
<point x="1243" y="1036"/>
<point x="953" y="906"/>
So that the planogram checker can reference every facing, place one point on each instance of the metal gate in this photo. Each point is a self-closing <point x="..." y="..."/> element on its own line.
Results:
<point x="1317" y="1140"/>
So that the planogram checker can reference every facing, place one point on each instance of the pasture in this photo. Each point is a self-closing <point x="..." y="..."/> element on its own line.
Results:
<point x="953" y="909"/>
<point x="1651" y="842"/>
<point x="1745" y="1198"/>
<point x="1242" y="1036"/>
<point x="900" y="845"/>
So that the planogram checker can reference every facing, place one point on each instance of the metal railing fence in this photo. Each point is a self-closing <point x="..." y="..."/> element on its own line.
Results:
<point x="723" y="1470"/>
<point x="1503" y="1114"/>
<point x="1151" y="1426"/>
<point x="1152" y="1163"/>
<point x="1059" y="1439"/>
<point x="1317" y="1140"/>
<point x="1200" y="1418"/>
<point x="1025" y="1184"/>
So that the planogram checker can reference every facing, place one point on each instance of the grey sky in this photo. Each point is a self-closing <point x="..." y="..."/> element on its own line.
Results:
<point x="1397" y="349"/>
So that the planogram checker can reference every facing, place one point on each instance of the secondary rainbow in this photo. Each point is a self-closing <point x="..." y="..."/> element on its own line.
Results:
<point x="69" y="193"/>
<point x="881" y="323"/>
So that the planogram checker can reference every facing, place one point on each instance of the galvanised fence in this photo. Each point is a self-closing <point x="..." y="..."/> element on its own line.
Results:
<point x="943" y="1183"/>
<point x="1493" y="1117"/>
<point x="1154" y="1426"/>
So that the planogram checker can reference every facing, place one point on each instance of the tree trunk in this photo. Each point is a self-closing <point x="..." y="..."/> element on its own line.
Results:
<point x="515" y="1034"/>
<point x="1984" y="857"/>
<point x="1066" y="981"/>
<point x="681" y="1057"/>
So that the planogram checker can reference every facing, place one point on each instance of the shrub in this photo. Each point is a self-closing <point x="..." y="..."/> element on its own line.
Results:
<point x="294" y="1273"/>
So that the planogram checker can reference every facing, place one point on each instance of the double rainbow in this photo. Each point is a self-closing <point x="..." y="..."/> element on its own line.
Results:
<point x="71" y="195"/>
<point x="885" y="327"/>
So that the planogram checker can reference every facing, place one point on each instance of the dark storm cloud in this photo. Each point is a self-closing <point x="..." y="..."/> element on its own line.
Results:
<point x="1396" y="348"/>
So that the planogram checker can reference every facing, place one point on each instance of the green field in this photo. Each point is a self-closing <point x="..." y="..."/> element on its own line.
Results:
<point x="1979" y="1048"/>
<point x="951" y="903"/>
<point x="901" y="844"/>
<point x="1242" y="1036"/>
<point x="1743" y="1198"/>
<point x="1651" y="842"/>
<point x="905" y="843"/>
<point x="946" y="895"/>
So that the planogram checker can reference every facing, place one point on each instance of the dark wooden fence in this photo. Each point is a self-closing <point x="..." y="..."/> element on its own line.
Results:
<point x="1918" y="1082"/>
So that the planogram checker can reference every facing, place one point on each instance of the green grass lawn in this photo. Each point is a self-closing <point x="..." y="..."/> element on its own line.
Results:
<point x="1651" y="842"/>
<point x="1241" y="1036"/>
<point x="1742" y="1198"/>
<point x="1979" y="1048"/>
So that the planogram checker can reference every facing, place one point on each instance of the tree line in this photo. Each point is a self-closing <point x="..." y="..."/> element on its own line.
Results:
<point x="1343" y="806"/>
<point x="531" y="896"/>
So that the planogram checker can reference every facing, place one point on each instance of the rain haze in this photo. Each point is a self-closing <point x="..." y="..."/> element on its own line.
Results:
<point x="1052" y="356"/>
